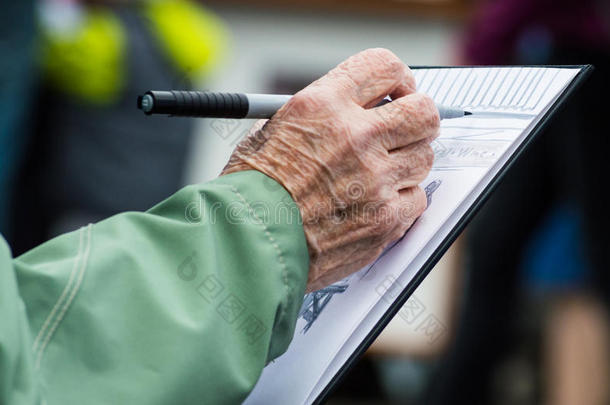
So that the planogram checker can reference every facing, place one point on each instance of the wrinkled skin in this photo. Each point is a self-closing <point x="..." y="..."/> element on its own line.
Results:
<point x="352" y="170"/>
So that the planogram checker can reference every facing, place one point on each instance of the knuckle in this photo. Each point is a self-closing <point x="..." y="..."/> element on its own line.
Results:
<point x="378" y="125"/>
<point x="416" y="164"/>
<point x="410" y="78"/>
<point x="389" y="168"/>
<point x="377" y="169"/>
<point x="383" y="54"/>
<point x="303" y="101"/>
<point x="404" y="218"/>
<point x="407" y="214"/>
<point x="418" y="174"/>
<point x="427" y="111"/>
<point x="394" y="207"/>
<point x="413" y="206"/>
<point x="427" y="155"/>
<point x="393" y="211"/>
<point x="420" y="201"/>
<point x="384" y="218"/>
<point x="382" y="57"/>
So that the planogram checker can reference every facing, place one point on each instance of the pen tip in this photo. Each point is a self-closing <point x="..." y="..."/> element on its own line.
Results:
<point x="467" y="113"/>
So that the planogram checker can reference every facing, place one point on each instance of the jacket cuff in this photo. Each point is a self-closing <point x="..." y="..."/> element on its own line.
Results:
<point x="272" y="207"/>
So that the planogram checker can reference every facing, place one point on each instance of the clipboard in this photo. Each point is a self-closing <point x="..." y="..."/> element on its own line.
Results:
<point x="558" y="105"/>
<point x="263" y="392"/>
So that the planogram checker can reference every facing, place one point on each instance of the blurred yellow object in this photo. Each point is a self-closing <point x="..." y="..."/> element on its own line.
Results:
<point x="193" y="38"/>
<point x="90" y="62"/>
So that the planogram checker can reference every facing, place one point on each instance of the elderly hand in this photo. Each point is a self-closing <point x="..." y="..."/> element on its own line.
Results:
<point x="352" y="170"/>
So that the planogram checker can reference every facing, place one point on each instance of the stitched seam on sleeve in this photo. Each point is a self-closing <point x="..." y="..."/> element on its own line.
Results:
<point x="280" y="257"/>
<point x="64" y="293"/>
<point x="64" y="309"/>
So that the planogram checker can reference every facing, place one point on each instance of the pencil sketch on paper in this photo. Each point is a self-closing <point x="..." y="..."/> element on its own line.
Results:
<point x="520" y="89"/>
<point x="314" y="302"/>
<point x="449" y="153"/>
<point x="430" y="189"/>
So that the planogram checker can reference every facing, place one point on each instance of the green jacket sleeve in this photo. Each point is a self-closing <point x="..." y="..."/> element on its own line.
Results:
<point x="184" y="303"/>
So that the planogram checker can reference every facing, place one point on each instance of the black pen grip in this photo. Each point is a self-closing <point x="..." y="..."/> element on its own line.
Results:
<point x="197" y="104"/>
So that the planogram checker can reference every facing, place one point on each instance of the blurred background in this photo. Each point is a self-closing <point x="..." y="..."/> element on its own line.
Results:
<point x="521" y="299"/>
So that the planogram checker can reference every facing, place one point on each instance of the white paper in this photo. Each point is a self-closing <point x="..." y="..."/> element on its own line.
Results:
<point x="506" y="104"/>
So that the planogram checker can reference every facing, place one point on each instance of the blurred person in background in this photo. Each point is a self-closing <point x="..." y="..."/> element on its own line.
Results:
<point x="91" y="155"/>
<point x="553" y="227"/>
<point x="17" y="81"/>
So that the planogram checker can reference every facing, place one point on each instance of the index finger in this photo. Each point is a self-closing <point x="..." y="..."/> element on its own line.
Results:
<point x="405" y="120"/>
<point x="367" y="77"/>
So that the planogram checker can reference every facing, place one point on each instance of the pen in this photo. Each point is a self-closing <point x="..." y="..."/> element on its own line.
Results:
<point x="231" y="105"/>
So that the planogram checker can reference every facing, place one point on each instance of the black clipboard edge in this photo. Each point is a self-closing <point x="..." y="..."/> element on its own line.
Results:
<point x="558" y="105"/>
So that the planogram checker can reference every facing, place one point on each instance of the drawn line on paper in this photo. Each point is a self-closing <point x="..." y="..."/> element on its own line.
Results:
<point x="484" y="91"/>
<point x="498" y="88"/>
<point x="479" y="133"/>
<point x="464" y="81"/>
<point x="511" y="86"/>
<point x="441" y="84"/>
<point x="500" y="114"/>
<point x="499" y="129"/>
<point x="431" y="81"/>
<point x="536" y="78"/>
<point x="466" y="138"/>
<point x="491" y="84"/>
<point x="446" y="169"/>
<point x="474" y="153"/>
<point x="478" y="90"/>
<point x="419" y="81"/>
<point x="474" y="79"/>
<point x="521" y="83"/>
<point x="546" y="89"/>
<point x="315" y="302"/>
<point x="430" y="189"/>
<point x="451" y="86"/>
